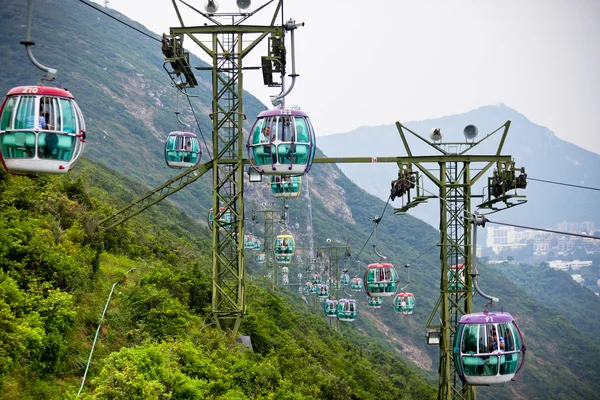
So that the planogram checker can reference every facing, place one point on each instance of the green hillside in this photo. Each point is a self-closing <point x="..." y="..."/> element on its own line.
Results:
<point x="58" y="268"/>
<point x="157" y="340"/>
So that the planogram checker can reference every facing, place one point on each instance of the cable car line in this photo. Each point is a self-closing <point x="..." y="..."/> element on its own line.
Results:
<point x="198" y="125"/>
<point x="158" y="40"/>
<point x="118" y="20"/>
<point x="563" y="184"/>
<point x="543" y="230"/>
<point x="423" y="253"/>
<point x="520" y="226"/>
<point x="377" y="220"/>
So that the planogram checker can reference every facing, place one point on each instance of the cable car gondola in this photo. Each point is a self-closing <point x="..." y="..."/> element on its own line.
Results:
<point x="374" y="302"/>
<point x="334" y="284"/>
<point x="286" y="186"/>
<point x="260" y="258"/>
<point x="308" y="288"/>
<point x="42" y="131"/>
<point x="356" y="284"/>
<point x="316" y="278"/>
<point x="344" y="279"/>
<point x="285" y="279"/>
<point x="285" y="270"/>
<point x="488" y="348"/>
<point x="456" y="278"/>
<point x="182" y="150"/>
<point x="284" y="245"/>
<point x="281" y="142"/>
<point x="347" y="310"/>
<point x="249" y="241"/>
<point x="381" y="280"/>
<point x="322" y="290"/>
<point x="404" y="303"/>
<point x="224" y="216"/>
<point x="330" y="308"/>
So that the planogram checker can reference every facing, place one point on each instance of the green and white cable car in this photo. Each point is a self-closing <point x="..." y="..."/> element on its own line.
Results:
<point x="330" y="308"/>
<point x="382" y="280"/>
<point x="404" y="303"/>
<point x="356" y="284"/>
<point x="374" y="302"/>
<point x="286" y="186"/>
<point x="347" y="310"/>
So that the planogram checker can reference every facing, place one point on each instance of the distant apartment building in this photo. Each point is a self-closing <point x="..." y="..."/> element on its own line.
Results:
<point x="507" y="238"/>
<point x="576" y="227"/>
<point x="566" y="265"/>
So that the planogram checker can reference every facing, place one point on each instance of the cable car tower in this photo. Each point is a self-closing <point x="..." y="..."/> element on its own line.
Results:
<point x="455" y="181"/>
<point x="269" y="217"/>
<point x="227" y="41"/>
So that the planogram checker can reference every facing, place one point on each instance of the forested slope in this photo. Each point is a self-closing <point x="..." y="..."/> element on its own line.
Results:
<point x="156" y="340"/>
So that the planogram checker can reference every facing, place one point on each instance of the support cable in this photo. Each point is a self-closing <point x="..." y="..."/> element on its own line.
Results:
<point x="158" y="40"/>
<point x="472" y="215"/>
<point x="118" y="20"/>
<point x="377" y="220"/>
<point x="562" y="184"/>
<point x="544" y="230"/>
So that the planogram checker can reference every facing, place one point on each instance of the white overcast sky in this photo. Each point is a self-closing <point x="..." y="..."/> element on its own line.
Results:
<point x="375" y="62"/>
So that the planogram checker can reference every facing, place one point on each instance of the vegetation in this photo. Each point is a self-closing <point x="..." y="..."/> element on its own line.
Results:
<point x="157" y="340"/>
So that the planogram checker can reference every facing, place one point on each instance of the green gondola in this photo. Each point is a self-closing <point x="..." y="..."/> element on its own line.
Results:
<point x="347" y="310"/>
<point x="374" y="302"/>
<point x="381" y="280"/>
<point x="356" y="284"/>
<point x="404" y="303"/>
<point x="330" y="308"/>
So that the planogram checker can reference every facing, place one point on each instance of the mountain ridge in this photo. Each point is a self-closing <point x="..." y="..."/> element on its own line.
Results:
<point x="539" y="150"/>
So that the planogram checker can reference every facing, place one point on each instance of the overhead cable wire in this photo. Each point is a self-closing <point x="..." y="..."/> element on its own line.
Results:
<point x="198" y="125"/>
<point x="118" y="20"/>
<point x="423" y="253"/>
<point x="377" y="221"/>
<point x="563" y="184"/>
<point x="158" y="40"/>
<point x="521" y="226"/>
<point x="544" y="230"/>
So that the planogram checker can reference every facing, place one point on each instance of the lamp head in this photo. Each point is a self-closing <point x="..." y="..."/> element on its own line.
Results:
<point x="435" y="134"/>
<point x="211" y="6"/>
<point x="470" y="132"/>
<point x="243" y="4"/>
